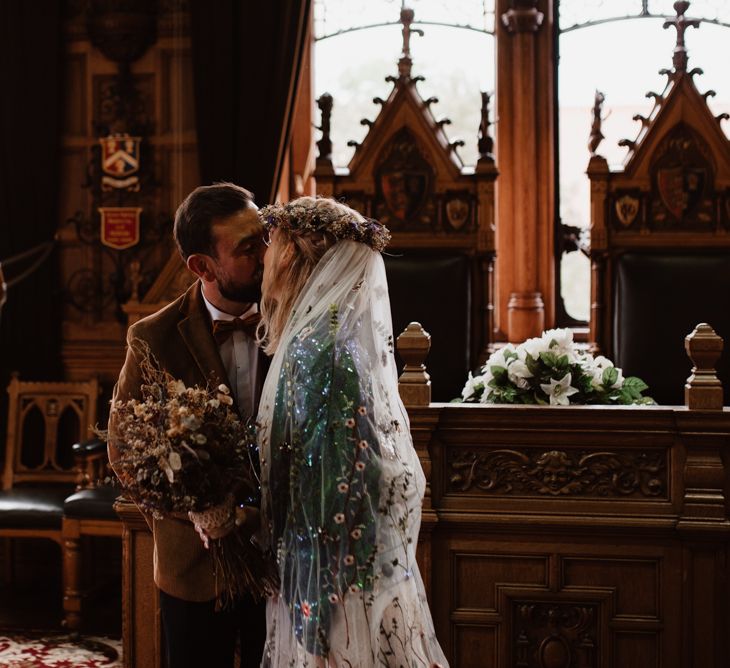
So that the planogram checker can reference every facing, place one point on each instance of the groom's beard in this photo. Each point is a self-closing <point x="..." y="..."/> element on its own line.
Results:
<point x="240" y="293"/>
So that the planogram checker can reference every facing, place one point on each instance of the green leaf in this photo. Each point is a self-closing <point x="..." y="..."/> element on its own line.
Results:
<point x="550" y="359"/>
<point x="563" y="362"/>
<point x="500" y="374"/>
<point x="635" y="386"/>
<point x="532" y="365"/>
<point x="610" y="376"/>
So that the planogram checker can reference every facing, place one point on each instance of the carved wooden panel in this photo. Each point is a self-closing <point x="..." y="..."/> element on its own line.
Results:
<point x="555" y="635"/>
<point x="543" y="600"/>
<point x="558" y="473"/>
<point x="106" y="98"/>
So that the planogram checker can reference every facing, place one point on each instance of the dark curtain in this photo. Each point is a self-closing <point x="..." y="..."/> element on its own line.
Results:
<point x="30" y="113"/>
<point x="246" y="62"/>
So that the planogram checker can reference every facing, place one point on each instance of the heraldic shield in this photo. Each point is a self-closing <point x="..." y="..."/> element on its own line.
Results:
<point x="120" y="161"/>
<point x="682" y="175"/>
<point x="680" y="188"/>
<point x="404" y="179"/>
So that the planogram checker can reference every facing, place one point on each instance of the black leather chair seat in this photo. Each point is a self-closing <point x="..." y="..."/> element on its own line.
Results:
<point x="32" y="507"/>
<point x="92" y="503"/>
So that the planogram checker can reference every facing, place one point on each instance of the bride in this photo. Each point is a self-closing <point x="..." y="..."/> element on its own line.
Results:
<point x="342" y="485"/>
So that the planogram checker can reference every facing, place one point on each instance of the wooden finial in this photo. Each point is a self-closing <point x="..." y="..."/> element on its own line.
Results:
<point x="703" y="389"/>
<point x="414" y="383"/>
<point x="596" y="134"/>
<point x="681" y="23"/>
<point x="485" y="143"/>
<point x="405" y="63"/>
<point x="324" y="145"/>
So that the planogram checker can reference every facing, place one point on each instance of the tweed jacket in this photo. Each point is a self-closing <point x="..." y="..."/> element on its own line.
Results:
<point x="180" y="338"/>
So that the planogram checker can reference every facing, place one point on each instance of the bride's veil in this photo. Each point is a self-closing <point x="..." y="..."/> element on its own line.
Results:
<point x="342" y="485"/>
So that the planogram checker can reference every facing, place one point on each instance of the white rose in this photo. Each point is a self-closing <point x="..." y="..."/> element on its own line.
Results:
<point x="518" y="373"/>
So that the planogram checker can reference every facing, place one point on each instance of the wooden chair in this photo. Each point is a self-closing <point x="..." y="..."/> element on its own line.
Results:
<point x="87" y="512"/>
<point x="44" y="421"/>
<point x="440" y="261"/>
<point x="660" y="237"/>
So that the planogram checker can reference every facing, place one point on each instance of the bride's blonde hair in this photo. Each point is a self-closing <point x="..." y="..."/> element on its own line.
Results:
<point x="297" y="247"/>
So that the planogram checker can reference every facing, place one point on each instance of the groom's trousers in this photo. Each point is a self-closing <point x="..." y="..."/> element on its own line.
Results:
<point x="195" y="636"/>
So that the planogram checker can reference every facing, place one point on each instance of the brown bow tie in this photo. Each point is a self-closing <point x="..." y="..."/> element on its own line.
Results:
<point x="223" y="329"/>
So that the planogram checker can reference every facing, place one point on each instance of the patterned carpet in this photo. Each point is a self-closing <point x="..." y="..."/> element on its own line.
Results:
<point x="58" y="651"/>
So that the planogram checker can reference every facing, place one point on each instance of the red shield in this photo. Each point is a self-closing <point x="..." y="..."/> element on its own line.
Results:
<point x="404" y="192"/>
<point x="120" y="226"/>
<point x="680" y="188"/>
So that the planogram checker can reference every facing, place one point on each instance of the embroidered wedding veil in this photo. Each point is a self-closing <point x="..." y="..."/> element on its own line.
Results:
<point x="342" y="485"/>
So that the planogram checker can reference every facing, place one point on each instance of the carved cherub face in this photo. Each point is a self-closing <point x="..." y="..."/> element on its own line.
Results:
<point x="555" y="469"/>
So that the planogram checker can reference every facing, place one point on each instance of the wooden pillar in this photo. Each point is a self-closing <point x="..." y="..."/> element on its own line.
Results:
<point x="525" y="190"/>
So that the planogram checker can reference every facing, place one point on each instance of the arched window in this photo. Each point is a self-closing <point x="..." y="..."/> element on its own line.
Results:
<point x="358" y="42"/>
<point x="618" y="48"/>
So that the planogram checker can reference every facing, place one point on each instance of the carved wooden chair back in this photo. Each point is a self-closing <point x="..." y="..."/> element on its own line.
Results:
<point x="44" y="421"/>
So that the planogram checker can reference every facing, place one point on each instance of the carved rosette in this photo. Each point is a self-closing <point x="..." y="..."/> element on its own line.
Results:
<point x="555" y="635"/>
<point x="559" y="473"/>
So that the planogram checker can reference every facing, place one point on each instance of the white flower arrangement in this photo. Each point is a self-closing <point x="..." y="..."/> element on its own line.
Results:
<point x="550" y="369"/>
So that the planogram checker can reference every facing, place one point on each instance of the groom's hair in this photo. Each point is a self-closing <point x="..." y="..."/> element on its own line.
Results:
<point x="200" y="209"/>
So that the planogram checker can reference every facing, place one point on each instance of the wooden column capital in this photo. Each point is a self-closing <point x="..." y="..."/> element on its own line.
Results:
<point x="523" y="16"/>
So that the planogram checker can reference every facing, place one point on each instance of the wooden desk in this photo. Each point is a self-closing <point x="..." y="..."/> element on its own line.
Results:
<point x="598" y="533"/>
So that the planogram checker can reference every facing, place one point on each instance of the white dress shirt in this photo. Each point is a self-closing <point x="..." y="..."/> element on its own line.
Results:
<point x="240" y="356"/>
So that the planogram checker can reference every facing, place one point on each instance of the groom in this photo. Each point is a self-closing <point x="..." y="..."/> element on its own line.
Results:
<point x="205" y="336"/>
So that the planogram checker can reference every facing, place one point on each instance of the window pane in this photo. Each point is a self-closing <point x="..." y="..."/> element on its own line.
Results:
<point x="457" y="64"/>
<point x="572" y="13"/>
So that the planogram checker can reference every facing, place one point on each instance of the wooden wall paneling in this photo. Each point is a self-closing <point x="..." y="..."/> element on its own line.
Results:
<point x="93" y="341"/>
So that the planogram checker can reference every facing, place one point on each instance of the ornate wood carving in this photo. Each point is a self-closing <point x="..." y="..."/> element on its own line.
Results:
<point x="683" y="180"/>
<point x="681" y="23"/>
<point x="522" y="16"/>
<point x="670" y="196"/>
<point x="559" y="473"/>
<point x="555" y="635"/>
<point x="404" y="181"/>
<point x="486" y="143"/>
<point x="122" y="31"/>
<point x="324" y="145"/>
<point x="407" y="173"/>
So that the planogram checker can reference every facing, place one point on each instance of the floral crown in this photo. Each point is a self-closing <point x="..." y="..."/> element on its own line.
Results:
<point x="300" y="218"/>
